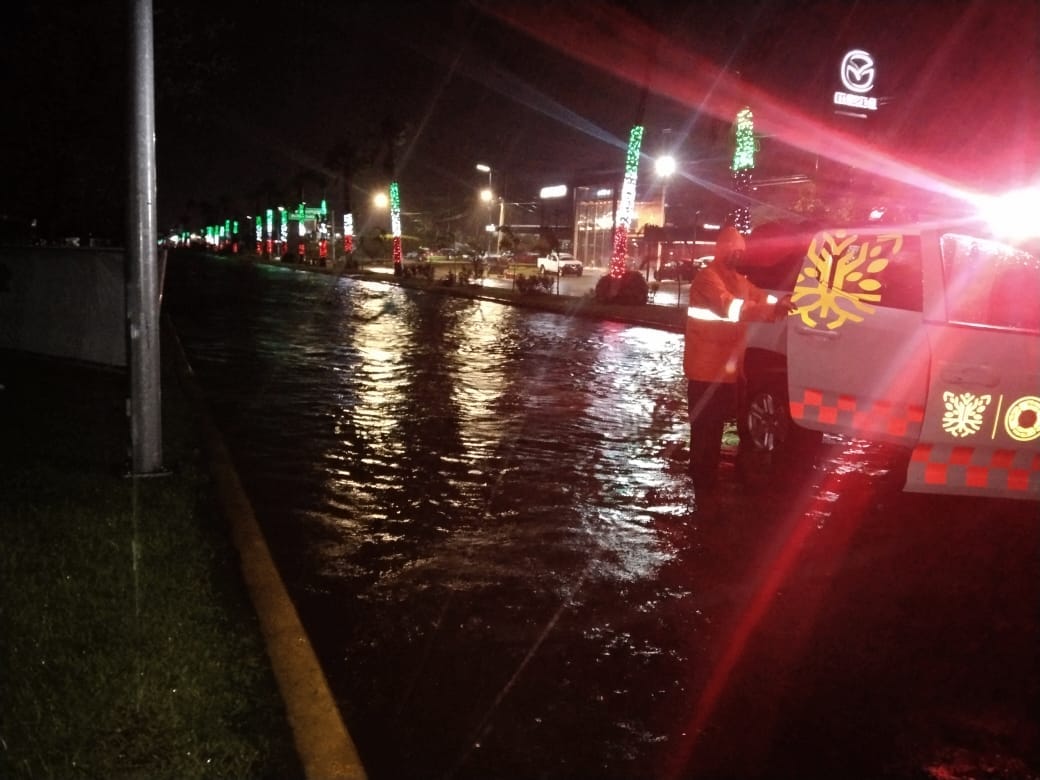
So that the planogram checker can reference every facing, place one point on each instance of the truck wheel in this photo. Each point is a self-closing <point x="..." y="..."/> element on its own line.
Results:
<point x="770" y="440"/>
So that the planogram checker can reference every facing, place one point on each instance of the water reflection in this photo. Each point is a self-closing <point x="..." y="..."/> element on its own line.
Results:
<point x="479" y="516"/>
<point x="426" y="455"/>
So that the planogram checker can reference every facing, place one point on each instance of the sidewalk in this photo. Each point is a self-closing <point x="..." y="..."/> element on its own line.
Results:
<point x="654" y="315"/>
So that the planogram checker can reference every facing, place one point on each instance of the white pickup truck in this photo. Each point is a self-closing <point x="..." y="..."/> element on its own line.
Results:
<point x="559" y="263"/>
<point x="925" y="337"/>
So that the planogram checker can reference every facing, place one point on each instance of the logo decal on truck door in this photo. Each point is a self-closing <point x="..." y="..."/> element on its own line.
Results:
<point x="1022" y="421"/>
<point x="839" y="282"/>
<point x="964" y="415"/>
<point x="964" y="411"/>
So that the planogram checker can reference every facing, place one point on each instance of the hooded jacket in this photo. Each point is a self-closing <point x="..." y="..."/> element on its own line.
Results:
<point x="722" y="301"/>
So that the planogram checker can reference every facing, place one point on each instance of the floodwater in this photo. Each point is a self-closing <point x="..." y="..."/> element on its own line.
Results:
<point x="482" y="515"/>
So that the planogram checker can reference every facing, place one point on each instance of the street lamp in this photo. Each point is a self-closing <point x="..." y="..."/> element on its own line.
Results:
<point x="487" y="196"/>
<point x="380" y="202"/>
<point x="664" y="167"/>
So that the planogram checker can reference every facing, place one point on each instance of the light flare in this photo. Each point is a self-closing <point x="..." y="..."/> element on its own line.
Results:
<point x="1013" y="216"/>
<point x="793" y="536"/>
<point x="616" y="43"/>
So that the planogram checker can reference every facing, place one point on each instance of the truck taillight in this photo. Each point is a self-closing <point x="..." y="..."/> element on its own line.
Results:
<point x="1014" y="215"/>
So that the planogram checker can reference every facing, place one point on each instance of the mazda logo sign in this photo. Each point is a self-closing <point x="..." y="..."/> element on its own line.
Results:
<point x="857" y="71"/>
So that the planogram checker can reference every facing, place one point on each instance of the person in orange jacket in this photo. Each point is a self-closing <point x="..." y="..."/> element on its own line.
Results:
<point x="722" y="302"/>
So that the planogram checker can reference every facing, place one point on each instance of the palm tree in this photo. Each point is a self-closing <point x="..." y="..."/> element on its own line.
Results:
<point x="342" y="163"/>
<point x="393" y="135"/>
<point x="306" y="181"/>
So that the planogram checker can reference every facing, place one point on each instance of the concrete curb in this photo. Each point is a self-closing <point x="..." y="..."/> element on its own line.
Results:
<point x="671" y="318"/>
<point x="326" y="749"/>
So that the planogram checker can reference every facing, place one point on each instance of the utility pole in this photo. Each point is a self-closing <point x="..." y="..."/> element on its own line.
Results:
<point x="142" y="290"/>
<point x="332" y="236"/>
<point x="501" y="223"/>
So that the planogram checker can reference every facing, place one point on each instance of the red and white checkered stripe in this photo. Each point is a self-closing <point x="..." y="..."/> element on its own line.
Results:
<point x="958" y="466"/>
<point x="899" y="421"/>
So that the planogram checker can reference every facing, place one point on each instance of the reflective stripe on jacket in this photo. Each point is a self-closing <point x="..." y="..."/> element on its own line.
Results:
<point x="722" y="301"/>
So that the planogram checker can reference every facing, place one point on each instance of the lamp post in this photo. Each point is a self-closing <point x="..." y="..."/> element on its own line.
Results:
<point x="380" y="202"/>
<point x="664" y="167"/>
<point x="501" y="221"/>
<point x="488" y="196"/>
<point x="693" y="267"/>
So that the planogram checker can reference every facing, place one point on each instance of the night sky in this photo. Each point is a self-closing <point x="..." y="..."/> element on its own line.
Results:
<point x="257" y="101"/>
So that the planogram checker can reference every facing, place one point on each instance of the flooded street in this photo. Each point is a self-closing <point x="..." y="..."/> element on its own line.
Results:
<point x="482" y="515"/>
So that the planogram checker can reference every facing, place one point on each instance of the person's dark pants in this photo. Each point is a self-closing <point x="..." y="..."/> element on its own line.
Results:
<point x="710" y="404"/>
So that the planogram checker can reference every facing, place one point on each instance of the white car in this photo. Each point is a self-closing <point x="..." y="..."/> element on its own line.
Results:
<point x="559" y="263"/>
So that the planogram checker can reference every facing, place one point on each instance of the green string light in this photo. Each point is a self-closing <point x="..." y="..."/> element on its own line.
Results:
<point x="744" y="153"/>
<point x="395" y="223"/>
<point x="743" y="164"/>
<point x="627" y="205"/>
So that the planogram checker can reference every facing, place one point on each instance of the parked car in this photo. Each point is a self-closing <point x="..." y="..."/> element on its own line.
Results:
<point x="685" y="270"/>
<point x="562" y="263"/>
<point x="521" y="257"/>
<point x="447" y="253"/>
<point x="675" y="269"/>
<point x="495" y="263"/>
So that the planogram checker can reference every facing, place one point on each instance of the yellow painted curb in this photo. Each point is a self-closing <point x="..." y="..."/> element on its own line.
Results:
<point x="326" y="749"/>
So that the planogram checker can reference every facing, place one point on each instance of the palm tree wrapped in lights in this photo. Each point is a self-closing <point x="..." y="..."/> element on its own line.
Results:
<point x="743" y="165"/>
<point x="626" y="208"/>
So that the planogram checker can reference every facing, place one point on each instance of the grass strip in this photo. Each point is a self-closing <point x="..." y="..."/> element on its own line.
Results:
<point x="128" y="645"/>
